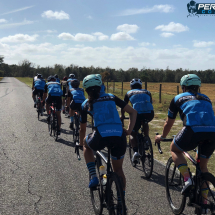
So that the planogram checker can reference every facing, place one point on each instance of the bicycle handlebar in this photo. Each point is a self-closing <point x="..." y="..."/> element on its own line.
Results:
<point x="163" y="140"/>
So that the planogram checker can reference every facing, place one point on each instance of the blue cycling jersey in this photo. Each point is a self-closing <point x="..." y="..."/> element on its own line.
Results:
<point x="77" y="95"/>
<point x="140" y="100"/>
<point x="58" y="80"/>
<point x="69" y="82"/>
<point x="54" y="89"/>
<point x="105" y="114"/>
<point x="39" y="83"/>
<point x="194" y="112"/>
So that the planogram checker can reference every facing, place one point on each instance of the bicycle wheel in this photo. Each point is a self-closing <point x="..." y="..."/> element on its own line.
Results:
<point x="174" y="183"/>
<point x="38" y="111"/>
<point x="55" y="125"/>
<point x="131" y="153"/>
<point x="97" y="192"/>
<point x="146" y="152"/>
<point x="116" y="200"/>
<point x="50" y="125"/>
<point x="207" y="181"/>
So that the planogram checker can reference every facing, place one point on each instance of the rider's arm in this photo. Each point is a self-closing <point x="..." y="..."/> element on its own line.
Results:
<point x="167" y="127"/>
<point x="45" y="93"/>
<point x="83" y="124"/>
<point x="33" y="85"/>
<point x="126" y="100"/>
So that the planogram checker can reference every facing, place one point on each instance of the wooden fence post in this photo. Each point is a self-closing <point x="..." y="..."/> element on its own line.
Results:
<point x="122" y="88"/>
<point x="160" y="93"/>
<point x="146" y="85"/>
<point x="113" y="86"/>
<point x="177" y="90"/>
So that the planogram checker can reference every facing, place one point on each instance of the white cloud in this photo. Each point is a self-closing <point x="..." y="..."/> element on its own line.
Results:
<point x="19" y="38"/>
<point x="79" y="45"/>
<point x="17" y="10"/>
<point x="146" y="44"/>
<point x="78" y="37"/>
<point x="128" y="28"/>
<point x="172" y="27"/>
<point x="166" y="34"/>
<point x="90" y="17"/>
<point x="121" y="36"/>
<point x="101" y="36"/>
<point x="11" y="25"/>
<point x="176" y="46"/>
<point x="55" y="15"/>
<point x="51" y="31"/>
<point x="47" y="54"/>
<point x="202" y="44"/>
<point x="3" y="20"/>
<point x="156" y="8"/>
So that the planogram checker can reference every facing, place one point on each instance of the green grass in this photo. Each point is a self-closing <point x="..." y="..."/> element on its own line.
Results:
<point x="156" y="125"/>
<point x="1" y="78"/>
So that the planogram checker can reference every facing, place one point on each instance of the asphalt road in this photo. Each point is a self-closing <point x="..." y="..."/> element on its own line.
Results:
<point x="41" y="176"/>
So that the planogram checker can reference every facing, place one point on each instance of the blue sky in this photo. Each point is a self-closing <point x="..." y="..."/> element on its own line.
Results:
<point x="114" y="33"/>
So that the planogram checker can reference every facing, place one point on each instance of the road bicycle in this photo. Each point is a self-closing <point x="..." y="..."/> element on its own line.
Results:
<point x="53" y="123"/>
<point x="76" y="133"/>
<point x="145" y="151"/>
<point x="39" y="106"/>
<point x="108" y="194"/>
<point x="174" y="183"/>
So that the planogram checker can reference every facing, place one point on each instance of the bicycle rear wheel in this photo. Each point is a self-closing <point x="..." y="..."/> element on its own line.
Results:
<point x="174" y="183"/>
<point x="50" y="125"/>
<point x="97" y="192"/>
<point x="116" y="200"/>
<point x="146" y="152"/>
<point x="207" y="181"/>
<point x="55" y="125"/>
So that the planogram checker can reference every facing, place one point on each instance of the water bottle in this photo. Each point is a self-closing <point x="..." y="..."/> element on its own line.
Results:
<point x="104" y="179"/>
<point x="102" y="170"/>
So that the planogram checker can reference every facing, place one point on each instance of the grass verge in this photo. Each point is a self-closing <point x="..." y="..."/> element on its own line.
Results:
<point x="26" y="80"/>
<point x="1" y="78"/>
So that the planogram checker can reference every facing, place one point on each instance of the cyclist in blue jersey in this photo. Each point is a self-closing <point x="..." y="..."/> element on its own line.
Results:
<point x="57" y="79"/>
<point x="108" y="129"/>
<point x="55" y="93"/>
<point x="76" y="98"/>
<point x="38" y="87"/>
<point x="197" y="114"/>
<point x="141" y="101"/>
<point x="71" y="77"/>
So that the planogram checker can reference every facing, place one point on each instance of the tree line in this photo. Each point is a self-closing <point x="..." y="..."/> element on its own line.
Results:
<point x="26" y="68"/>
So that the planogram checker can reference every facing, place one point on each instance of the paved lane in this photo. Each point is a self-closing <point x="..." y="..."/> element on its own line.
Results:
<point x="41" y="176"/>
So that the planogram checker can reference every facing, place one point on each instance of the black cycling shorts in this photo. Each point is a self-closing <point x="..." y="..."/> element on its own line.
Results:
<point x="75" y="106"/>
<point x="187" y="140"/>
<point x="142" y="118"/>
<point x="56" y="99"/>
<point x="36" y="92"/>
<point x="96" y="142"/>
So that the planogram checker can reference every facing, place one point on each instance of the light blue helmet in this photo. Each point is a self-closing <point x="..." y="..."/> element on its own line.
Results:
<point x="190" y="79"/>
<point x="92" y="80"/>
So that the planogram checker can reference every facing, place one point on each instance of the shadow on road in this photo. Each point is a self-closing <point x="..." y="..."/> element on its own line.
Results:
<point x="2" y="82"/>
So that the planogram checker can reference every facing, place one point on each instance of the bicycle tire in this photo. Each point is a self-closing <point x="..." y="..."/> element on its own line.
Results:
<point x="50" y="125"/>
<point x="205" y="178"/>
<point x="97" y="202"/>
<point x="115" y="207"/>
<point x="173" y="184"/>
<point x="146" y="152"/>
<point x="55" y="125"/>
<point x="131" y="153"/>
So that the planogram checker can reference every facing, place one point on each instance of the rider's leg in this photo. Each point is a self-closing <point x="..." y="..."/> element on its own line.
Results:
<point x="145" y="128"/>
<point x="133" y="140"/>
<point x="47" y="108"/>
<point x="58" y="113"/>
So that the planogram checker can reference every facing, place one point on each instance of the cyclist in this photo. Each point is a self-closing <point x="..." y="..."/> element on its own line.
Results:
<point x="197" y="114"/>
<point x="64" y="88"/>
<point x="141" y="101"/>
<point x="38" y="87"/>
<point x="71" y="77"/>
<point x="76" y="96"/>
<point x="108" y="129"/>
<point x="55" y="93"/>
<point x="57" y="79"/>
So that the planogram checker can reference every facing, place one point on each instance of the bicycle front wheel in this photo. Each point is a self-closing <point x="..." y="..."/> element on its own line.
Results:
<point x="207" y="202"/>
<point x="97" y="192"/>
<point x="174" y="183"/>
<point x="146" y="152"/>
<point x="116" y="199"/>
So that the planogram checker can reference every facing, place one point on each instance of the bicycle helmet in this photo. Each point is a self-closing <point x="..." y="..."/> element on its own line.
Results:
<point x="39" y="76"/>
<point x="71" y="76"/>
<point x="92" y="80"/>
<point x="75" y="83"/>
<point x="51" y="78"/>
<point x="135" y="81"/>
<point x="190" y="79"/>
<point x="56" y="76"/>
<point x="65" y="78"/>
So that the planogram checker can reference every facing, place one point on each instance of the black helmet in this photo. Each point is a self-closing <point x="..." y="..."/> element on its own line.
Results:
<point x="39" y="76"/>
<point x="51" y="78"/>
<point x="135" y="81"/>
<point x="56" y="76"/>
<point x="75" y="83"/>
